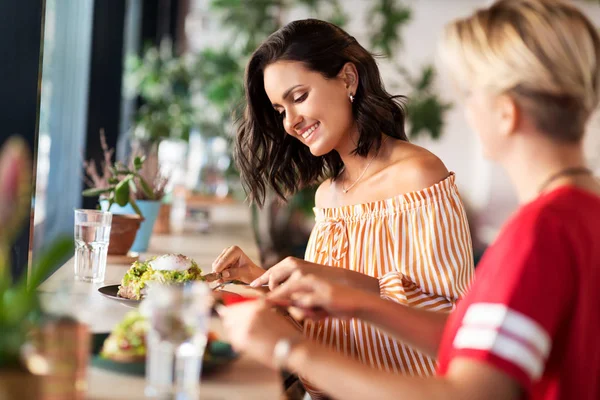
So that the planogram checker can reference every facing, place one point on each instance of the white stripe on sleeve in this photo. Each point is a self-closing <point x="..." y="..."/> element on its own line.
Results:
<point x="507" y="334"/>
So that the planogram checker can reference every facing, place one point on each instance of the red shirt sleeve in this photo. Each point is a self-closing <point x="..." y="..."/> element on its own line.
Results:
<point x="520" y="298"/>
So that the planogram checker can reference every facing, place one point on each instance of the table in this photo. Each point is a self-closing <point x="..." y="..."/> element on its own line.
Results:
<point x="244" y="379"/>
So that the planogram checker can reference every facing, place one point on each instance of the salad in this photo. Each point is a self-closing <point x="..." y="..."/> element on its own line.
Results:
<point x="168" y="268"/>
<point x="127" y="342"/>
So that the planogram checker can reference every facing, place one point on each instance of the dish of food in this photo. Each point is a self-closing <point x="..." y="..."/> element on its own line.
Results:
<point x="111" y="291"/>
<point x="124" y="349"/>
<point x="127" y="342"/>
<point x="168" y="268"/>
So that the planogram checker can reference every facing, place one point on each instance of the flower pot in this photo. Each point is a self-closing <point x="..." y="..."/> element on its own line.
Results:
<point x="122" y="233"/>
<point x="163" y="221"/>
<point x="149" y="209"/>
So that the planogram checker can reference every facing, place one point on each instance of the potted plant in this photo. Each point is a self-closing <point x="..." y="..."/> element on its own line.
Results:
<point x="163" y="83"/>
<point x="20" y="309"/>
<point x="154" y="203"/>
<point x="115" y="186"/>
<point x="148" y="193"/>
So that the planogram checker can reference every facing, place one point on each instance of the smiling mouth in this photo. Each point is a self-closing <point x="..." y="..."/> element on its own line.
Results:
<point x="310" y="130"/>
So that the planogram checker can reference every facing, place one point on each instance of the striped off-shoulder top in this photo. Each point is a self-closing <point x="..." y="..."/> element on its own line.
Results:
<point x="419" y="247"/>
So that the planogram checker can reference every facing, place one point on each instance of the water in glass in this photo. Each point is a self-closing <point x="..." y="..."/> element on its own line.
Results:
<point x="179" y="316"/>
<point x="92" y="233"/>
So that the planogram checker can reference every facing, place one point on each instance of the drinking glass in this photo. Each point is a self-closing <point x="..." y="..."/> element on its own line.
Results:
<point x="179" y="317"/>
<point x="92" y="233"/>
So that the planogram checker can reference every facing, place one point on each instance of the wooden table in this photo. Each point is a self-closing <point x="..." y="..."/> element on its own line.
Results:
<point x="244" y="379"/>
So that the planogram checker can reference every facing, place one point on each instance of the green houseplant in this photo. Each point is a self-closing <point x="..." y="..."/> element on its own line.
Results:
<point x="20" y="309"/>
<point x="164" y="83"/>
<point x="117" y="184"/>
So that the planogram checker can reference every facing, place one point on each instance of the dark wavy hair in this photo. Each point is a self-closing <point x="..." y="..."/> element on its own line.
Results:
<point x="264" y="153"/>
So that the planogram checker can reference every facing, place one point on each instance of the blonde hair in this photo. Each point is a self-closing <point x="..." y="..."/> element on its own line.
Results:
<point x="543" y="53"/>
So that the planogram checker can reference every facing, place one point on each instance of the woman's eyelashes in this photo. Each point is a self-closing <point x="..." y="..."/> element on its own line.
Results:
<point x="297" y="100"/>
<point x="300" y="99"/>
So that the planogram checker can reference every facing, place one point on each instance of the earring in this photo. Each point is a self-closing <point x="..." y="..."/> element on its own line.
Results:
<point x="351" y="98"/>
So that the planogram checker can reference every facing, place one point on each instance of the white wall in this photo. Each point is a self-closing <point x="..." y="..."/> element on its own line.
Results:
<point x="483" y="185"/>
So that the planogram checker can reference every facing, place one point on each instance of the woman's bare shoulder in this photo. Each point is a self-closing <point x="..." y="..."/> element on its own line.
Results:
<point x="417" y="168"/>
<point x="323" y="194"/>
<point x="410" y="168"/>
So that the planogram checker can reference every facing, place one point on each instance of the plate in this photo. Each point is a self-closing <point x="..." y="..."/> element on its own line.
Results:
<point x="217" y="355"/>
<point x="111" y="291"/>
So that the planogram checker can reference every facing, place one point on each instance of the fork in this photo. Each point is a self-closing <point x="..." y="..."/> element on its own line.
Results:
<point x="220" y="285"/>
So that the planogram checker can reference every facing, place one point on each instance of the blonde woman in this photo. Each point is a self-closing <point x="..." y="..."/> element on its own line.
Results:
<point x="528" y="328"/>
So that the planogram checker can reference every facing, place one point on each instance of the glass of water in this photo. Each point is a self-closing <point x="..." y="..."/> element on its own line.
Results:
<point x="179" y="317"/>
<point x="92" y="232"/>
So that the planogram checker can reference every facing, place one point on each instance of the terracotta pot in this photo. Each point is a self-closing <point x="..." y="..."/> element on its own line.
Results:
<point x="20" y="384"/>
<point x="163" y="221"/>
<point x="122" y="233"/>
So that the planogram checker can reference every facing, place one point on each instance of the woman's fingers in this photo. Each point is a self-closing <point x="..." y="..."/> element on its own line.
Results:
<point x="228" y="258"/>
<point x="218" y="259"/>
<point x="262" y="280"/>
<point x="291" y="287"/>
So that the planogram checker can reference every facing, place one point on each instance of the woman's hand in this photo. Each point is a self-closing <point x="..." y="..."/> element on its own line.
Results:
<point x="290" y="267"/>
<point x="314" y="298"/>
<point x="234" y="264"/>
<point x="254" y="328"/>
<point x="294" y="268"/>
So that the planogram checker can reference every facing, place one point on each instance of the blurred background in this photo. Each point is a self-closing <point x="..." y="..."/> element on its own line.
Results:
<point x="91" y="82"/>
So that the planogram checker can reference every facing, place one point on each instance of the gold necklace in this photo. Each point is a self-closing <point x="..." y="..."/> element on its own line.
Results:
<point x="564" y="172"/>
<point x="344" y="189"/>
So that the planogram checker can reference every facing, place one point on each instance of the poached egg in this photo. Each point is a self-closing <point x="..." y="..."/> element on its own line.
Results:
<point x="171" y="262"/>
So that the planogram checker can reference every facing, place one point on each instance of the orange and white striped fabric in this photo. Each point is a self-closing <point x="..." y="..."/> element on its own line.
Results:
<point x="419" y="247"/>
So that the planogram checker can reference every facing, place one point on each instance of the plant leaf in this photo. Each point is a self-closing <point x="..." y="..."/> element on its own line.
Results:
<point x="93" y="192"/>
<point x="138" y="162"/>
<point x="132" y="187"/>
<point x="392" y="17"/>
<point x="426" y="114"/>
<point x="122" y="192"/>
<point x="20" y="302"/>
<point x="428" y="74"/>
<point x="136" y="208"/>
<point x="54" y="254"/>
<point x="148" y="191"/>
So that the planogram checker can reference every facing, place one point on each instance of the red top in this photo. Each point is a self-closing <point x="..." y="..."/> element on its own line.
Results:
<point x="533" y="311"/>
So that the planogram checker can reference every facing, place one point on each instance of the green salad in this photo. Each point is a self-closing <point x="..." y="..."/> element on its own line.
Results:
<point x="169" y="268"/>
<point x="127" y="342"/>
